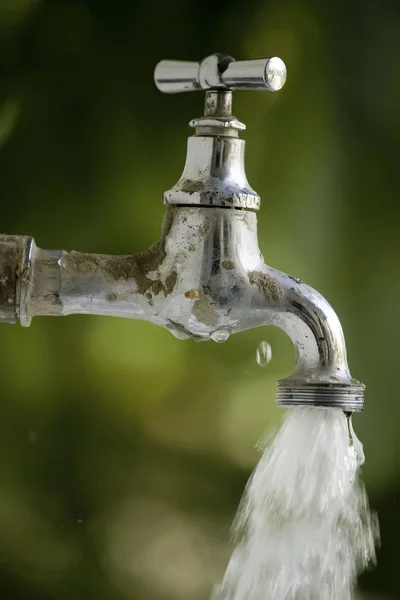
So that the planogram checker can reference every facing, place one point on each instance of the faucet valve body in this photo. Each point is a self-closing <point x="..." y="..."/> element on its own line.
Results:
<point x="214" y="173"/>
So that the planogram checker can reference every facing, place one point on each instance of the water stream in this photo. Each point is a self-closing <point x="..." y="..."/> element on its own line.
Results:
<point x="304" y="530"/>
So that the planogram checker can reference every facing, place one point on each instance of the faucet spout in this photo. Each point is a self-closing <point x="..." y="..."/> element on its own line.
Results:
<point x="205" y="277"/>
<point x="322" y="376"/>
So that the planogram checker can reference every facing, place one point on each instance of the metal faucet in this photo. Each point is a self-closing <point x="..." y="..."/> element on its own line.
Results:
<point x="205" y="278"/>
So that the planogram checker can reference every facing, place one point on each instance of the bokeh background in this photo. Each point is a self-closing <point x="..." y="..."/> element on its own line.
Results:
<point x="123" y="451"/>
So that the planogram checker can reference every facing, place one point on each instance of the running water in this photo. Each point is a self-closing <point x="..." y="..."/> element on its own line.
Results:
<point x="304" y="529"/>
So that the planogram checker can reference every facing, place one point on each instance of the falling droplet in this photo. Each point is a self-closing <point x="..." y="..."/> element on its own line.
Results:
<point x="354" y="441"/>
<point x="263" y="354"/>
<point x="220" y="335"/>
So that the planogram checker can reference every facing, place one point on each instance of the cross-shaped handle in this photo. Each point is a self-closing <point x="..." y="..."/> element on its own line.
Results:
<point x="219" y="72"/>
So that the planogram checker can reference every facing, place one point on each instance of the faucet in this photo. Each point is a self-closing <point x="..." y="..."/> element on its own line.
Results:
<point x="206" y="277"/>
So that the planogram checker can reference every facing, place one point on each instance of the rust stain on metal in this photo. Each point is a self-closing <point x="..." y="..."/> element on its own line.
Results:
<point x="204" y="311"/>
<point x="11" y="249"/>
<point x="112" y="297"/>
<point x="192" y="294"/>
<point x="191" y="186"/>
<point x="170" y="283"/>
<point x="204" y="228"/>
<point x="229" y="265"/>
<point x="137" y="267"/>
<point x="267" y="285"/>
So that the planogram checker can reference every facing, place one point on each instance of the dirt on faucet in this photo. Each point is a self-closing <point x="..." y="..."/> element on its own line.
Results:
<point x="204" y="311"/>
<point x="136" y="267"/>
<point x="267" y="285"/>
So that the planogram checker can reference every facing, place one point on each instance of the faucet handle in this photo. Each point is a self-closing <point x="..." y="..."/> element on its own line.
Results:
<point x="220" y="72"/>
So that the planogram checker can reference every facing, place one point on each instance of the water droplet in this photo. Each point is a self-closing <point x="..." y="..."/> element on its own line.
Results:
<point x="263" y="354"/>
<point x="295" y="279"/>
<point x="220" y="335"/>
<point x="276" y="73"/>
<point x="80" y="521"/>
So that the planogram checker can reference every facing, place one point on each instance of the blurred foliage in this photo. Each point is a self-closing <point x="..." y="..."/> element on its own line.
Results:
<point x="124" y="452"/>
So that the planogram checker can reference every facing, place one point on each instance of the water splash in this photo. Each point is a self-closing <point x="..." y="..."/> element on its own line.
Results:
<point x="304" y="529"/>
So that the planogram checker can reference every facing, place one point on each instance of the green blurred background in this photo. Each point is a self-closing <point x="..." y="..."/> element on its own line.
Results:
<point x="123" y="451"/>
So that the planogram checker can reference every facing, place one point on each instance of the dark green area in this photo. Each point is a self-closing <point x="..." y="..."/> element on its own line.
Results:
<point x="123" y="451"/>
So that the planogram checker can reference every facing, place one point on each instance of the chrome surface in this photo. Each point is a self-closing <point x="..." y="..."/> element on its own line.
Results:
<point x="218" y="104"/>
<point x="220" y="73"/>
<point x="214" y="175"/>
<point x="206" y="278"/>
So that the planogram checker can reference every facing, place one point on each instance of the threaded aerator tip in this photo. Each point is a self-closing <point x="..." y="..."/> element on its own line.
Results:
<point x="344" y="397"/>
